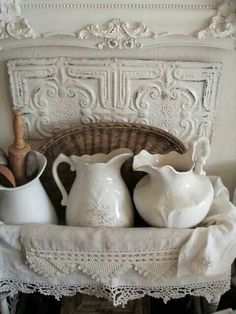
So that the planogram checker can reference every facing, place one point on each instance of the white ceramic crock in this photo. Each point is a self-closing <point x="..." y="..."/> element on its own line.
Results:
<point x="27" y="203"/>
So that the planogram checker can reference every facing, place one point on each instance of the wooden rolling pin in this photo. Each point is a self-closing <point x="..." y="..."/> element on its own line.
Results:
<point x="6" y="177"/>
<point x="18" y="150"/>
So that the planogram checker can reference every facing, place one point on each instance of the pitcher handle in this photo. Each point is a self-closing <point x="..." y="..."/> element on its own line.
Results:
<point x="201" y="152"/>
<point x="61" y="158"/>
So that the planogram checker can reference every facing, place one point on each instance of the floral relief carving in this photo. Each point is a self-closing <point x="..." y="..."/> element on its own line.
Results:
<point x="100" y="216"/>
<point x="56" y="93"/>
<point x="223" y="24"/>
<point x="12" y="24"/>
<point x="177" y="97"/>
<point x="117" y="34"/>
<point x="98" y="213"/>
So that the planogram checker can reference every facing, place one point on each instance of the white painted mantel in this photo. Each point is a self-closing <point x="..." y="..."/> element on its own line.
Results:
<point x="166" y="63"/>
<point x="117" y="24"/>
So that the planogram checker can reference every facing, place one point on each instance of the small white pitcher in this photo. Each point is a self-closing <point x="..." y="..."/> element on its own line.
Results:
<point x="99" y="196"/>
<point x="27" y="203"/>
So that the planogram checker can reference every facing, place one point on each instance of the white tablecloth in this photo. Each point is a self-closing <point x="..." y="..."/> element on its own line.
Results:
<point x="122" y="264"/>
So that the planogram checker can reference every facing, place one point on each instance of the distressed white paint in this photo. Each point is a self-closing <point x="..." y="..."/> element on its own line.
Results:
<point x="56" y="93"/>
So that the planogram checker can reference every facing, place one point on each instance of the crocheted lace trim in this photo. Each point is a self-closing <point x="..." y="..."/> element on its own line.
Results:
<point x="122" y="294"/>
<point x="103" y="266"/>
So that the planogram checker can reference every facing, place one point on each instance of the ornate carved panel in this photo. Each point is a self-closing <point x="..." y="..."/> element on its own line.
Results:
<point x="117" y="34"/>
<point x="56" y="93"/>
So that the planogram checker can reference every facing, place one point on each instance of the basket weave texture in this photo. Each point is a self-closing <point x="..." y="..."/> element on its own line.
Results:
<point x="102" y="138"/>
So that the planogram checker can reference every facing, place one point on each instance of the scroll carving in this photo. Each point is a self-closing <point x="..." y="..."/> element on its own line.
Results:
<point x="56" y="93"/>
<point x="117" y="34"/>
<point x="223" y="24"/>
<point x="12" y="24"/>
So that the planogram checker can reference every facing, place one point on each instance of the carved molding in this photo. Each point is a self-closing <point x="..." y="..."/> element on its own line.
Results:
<point x="167" y="6"/>
<point x="12" y="24"/>
<point x="223" y="23"/>
<point x="117" y="34"/>
<point x="57" y="93"/>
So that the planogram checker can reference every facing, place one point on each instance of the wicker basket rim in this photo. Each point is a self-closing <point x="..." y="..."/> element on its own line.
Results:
<point x="107" y="125"/>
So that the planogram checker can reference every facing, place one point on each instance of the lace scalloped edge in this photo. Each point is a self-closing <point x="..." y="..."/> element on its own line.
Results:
<point x="120" y="295"/>
<point x="102" y="266"/>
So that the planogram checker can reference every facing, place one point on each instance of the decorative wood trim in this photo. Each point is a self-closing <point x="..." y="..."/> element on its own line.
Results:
<point x="117" y="34"/>
<point x="223" y="23"/>
<point x="12" y="24"/>
<point x="168" y="6"/>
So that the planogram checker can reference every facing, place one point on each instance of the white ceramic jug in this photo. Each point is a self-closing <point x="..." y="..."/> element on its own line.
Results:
<point x="99" y="196"/>
<point x="27" y="203"/>
<point x="175" y="193"/>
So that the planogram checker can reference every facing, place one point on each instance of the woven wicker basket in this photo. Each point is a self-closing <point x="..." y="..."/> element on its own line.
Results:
<point x="102" y="138"/>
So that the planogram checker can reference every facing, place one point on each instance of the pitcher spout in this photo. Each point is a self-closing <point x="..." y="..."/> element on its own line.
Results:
<point x="145" y="161"/>
<point x="119" y="156"/>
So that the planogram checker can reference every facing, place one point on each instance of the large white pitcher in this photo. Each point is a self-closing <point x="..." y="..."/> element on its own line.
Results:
<point x="99" y="196"/>
<point x="27" y="203"/>
<point x="175" y="193"/>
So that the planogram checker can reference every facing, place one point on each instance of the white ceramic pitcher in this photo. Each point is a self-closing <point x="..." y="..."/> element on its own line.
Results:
<point x="99" y="196"/>
<point x="175" y="193"/>
<point x="27" y="203"/>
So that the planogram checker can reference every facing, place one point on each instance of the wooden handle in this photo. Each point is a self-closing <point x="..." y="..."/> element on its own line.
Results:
<point x="7" y="178"/>
<point x="18" y="150"/>
<point x="18" y="129"/>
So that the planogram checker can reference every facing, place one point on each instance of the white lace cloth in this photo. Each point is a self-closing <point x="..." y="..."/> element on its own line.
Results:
<point x="122" y="264"/>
